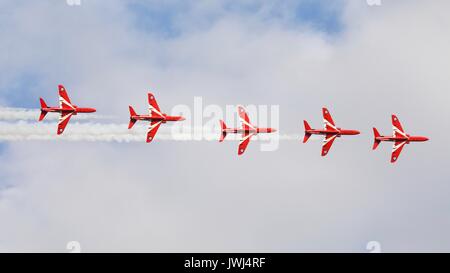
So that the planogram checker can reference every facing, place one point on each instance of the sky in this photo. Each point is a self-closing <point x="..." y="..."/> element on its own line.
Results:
<point x="363" y="62"/>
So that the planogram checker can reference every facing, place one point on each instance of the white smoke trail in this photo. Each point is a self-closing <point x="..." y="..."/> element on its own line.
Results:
<point x="112" y="132"/>
<point x="11" y="114"/>
<point x="16" y="124"/>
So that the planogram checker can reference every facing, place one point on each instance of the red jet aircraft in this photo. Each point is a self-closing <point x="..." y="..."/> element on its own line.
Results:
<point x="330" y="131"/>
<point x="155" y="117"/>
<point x="399" y="137"/>
<point x="248" y="130"/>
<point x="66" y="108"/>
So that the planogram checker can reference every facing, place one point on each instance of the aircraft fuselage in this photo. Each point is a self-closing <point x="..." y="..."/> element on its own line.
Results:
<point x="408" y="138"/>
<point x="248" y="131"/>
<point x="163" y="118"/>
<point x="64" y="110"/>
<point x="339" y="132"/>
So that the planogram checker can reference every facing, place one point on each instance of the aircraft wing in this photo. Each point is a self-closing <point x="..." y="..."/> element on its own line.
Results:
<point x="397" y="149"/>
<point x="63" y="121"/>
<point x="245" y="121"/>
<point x="327" y="143"/>
<point x="64" y="100"/>
<point x="154" y="126"/>
<point x="328" y="120"/>
<point x="244" y="142"/>
<point x="397" y="127"/>
<point x="153" y="106"/>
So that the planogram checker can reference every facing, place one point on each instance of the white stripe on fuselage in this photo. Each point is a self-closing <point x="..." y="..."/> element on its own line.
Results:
<point x="326" y="122"/>
<point x="153" y="126"/>
<point x="247" y="137"/>
<point x="62" y="118"/>
<point x="153" y="109"/>
<point x="398" y="131"/>
<point x="398" y="146"/>
<point x="243" y="121"/>
<point x="328" y="139"/>
<point x="63" y="101"/>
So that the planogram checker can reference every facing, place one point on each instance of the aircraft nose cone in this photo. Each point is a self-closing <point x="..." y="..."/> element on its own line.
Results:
<point x="357" y="132"/>
<point x="182" y="118"/>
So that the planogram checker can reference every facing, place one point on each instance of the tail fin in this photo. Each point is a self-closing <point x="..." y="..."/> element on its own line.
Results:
<point x="132" y="120"/>
<point x="43" y="106"/>
<point x="223" y="126"/>
<point x="376" y="142"/>
<point x="307" y="128"/>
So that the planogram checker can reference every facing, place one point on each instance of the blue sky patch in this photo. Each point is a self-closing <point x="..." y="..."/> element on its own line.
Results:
<point x="21" y="93"/>
<point x="169" y="20"/>
<point x="320" y="16"/>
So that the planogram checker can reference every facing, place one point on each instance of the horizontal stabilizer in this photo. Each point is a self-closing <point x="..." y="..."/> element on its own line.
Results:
<point x="132" y="114"/>
<point x="307" y="128"/>
<point x="43" y="104"/>
<point x="376" y="142"/>
<point x="306" y="137"/>
<point x="131" y="124"/>
<point x="42" y="116"/>
<point x="223" y="134"/>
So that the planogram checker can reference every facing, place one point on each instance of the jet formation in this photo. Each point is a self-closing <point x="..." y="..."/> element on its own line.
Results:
<point x="66" y="109"/>
<point x="248" y="130"/>
<point x="155" y="117"/>
<point x="399" y="137"/>
<point x="330" y="131"/>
